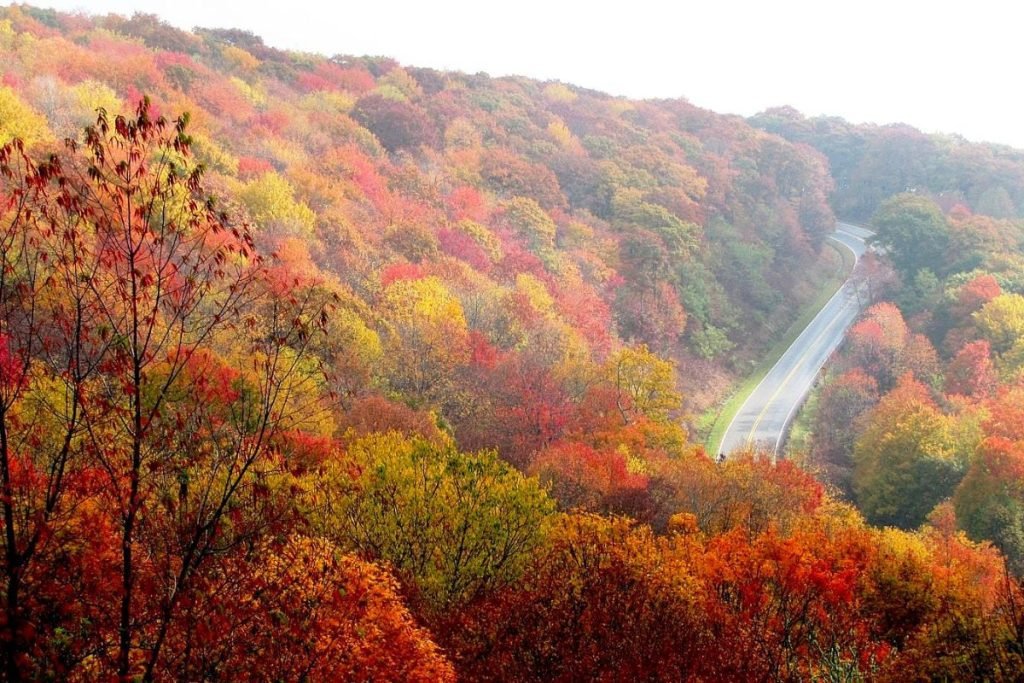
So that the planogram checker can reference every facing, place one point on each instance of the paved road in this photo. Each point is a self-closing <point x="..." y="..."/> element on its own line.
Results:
<point x="765" y="416"/>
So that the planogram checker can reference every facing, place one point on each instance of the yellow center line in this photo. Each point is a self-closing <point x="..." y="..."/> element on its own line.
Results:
<point x="789" y="376"/>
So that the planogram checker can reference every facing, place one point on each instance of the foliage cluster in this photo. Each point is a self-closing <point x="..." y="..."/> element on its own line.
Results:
<point x="408" y="407"/>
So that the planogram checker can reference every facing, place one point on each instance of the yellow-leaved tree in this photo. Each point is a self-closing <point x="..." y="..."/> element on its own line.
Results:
<point x="454" y="524"/>
<point x="18" y="120"/>
<point x="272" y="204"/>
<point x="428" y="338"/>
<point x="644" y="384"/>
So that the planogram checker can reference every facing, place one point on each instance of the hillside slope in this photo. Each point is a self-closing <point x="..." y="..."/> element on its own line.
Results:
<point x="542" y="211"/>
<point x="368" y="372"/>
<point x="871" y="163"/>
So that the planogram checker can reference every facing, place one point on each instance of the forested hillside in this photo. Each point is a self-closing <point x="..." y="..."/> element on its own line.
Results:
<point x="335" y="369"/>
<point x="923" y="405"/>
<point x="871" y="163"/>
<point x="609" y="221"/>
<point x="921" y="409"/>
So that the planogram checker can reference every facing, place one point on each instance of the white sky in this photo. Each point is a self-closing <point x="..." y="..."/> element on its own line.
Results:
<point x="941" y="66"/>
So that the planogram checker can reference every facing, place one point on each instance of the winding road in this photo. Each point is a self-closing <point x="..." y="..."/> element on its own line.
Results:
<point x="764" y="417"/>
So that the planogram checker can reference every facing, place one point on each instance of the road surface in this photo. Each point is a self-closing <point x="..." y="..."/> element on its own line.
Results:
<point x="764" y="417"/>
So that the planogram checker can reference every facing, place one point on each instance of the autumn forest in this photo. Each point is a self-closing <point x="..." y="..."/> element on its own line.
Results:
<point x="333" y="369"/>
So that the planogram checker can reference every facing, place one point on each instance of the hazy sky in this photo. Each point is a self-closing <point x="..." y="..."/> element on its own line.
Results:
<point x="941" y="66"/>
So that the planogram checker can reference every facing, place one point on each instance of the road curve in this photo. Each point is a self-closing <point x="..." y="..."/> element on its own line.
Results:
<point x="764" y="417"/>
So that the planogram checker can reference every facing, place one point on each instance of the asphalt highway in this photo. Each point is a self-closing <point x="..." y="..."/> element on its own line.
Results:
<point x="765" y="416"/>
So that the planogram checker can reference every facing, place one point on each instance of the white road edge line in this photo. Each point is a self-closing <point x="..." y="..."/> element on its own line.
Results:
<point x="802" y="333"/>
<point x="796" y="406"/>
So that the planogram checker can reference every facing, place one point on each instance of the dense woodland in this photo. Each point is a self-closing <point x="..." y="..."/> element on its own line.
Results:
<point x="872" y="163"/>
<point x="333" y="369"/>
<point x="924" y="405"/>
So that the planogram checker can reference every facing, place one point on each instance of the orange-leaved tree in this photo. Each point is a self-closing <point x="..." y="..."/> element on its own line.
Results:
<point x="145" y="376"/>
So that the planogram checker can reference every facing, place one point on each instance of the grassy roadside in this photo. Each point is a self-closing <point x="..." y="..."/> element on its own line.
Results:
<point x="799" y="441"/>
<point x="723" y="414"/>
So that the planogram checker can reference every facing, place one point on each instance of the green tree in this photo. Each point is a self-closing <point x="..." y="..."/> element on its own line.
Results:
<point x="909" y="458"/>
<point x="710" y="341"/>
<point x="534" y="225"/>
<point x="990" y="501"/>
<point x="914" y="233"/>
<point x="456" y="524"/>
<point x="680" y="237"/>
